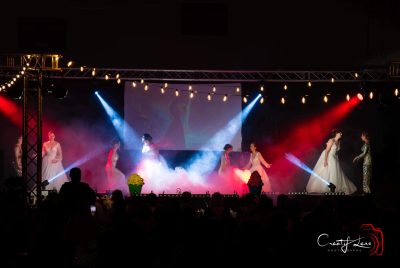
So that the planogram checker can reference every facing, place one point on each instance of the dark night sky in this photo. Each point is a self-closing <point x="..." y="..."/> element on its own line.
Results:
<point x="174" y="34"/>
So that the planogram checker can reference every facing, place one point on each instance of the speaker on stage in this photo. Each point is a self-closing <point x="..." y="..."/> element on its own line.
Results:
<point x="42" y="35"/>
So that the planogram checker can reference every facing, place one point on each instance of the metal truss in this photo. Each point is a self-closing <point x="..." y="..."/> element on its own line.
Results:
<point x="223" y="76"/>
<point x="9" y="65"/>
<point x="32" y="137"/>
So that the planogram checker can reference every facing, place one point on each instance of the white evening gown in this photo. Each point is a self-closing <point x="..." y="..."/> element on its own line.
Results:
<point x="115" y="178"/>
<point x="331" y="174"/>
<point x="54" y="173"/>
<point x="257" y="166"/>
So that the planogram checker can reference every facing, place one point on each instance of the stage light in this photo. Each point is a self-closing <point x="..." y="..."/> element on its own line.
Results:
<point x="356" y="75"/>
<point x="285" y="87"/>
<point x="70" y="63"/>
<point x="14" y="79"/>
<point x="244" y="99"/>
<point x="333" y="80"/>
<point x="162" y="90"/>
<point x="238" y="89"/>
<point x="119" y="81"/>
<point x="326" y="99"/>
<point x="81" y="68"/>
<point x="190" y="87"/>
<point x="94" y="72"/>
<point x="371" y="95"/>
<point x="141" y="81"/>
<point x="96" y="92"/>
<point x="262" y="100"/>
<point x="225" y="98"/>
<point x="117" y="76"/>
<point x="56" y="89"/>
<point x="106" y="77"/>
<point x="283" y="100"/>
<point x="303" y="100"/>
<point x="133" y="84"/>
<point x="209" y="96"/>
<point x="348" y="97"/>
<point x="18" y="76"/>
<point x="146" y="87"/>
<point x="191" y="95"/>
<point x="360" y="96"/>
<point x="176" y="92"/>
<point x="166" y="85"/>
<point x="396" y="92"/>
<point x="261" y="88"/>
<point x="309" y="84"/>
<point x="214" y="89"/>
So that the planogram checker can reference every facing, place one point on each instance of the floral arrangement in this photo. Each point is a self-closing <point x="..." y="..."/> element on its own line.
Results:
<point x="135" y="179"/>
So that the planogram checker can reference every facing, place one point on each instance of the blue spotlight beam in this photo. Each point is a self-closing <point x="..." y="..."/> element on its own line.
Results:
<point x="206" y="161"/>
<point x="118" y="123"/>
<point x="80" y="161"/>
<point x="293" y="159"/>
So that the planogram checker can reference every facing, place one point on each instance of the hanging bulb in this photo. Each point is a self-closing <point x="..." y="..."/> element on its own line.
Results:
<point x="209" y="96"/>
<point x="333" y="80"/>
<point x="244" y="99"/>
<point x="348" y="97"/>
<point x="94" y="72"/>
<point x="190" y="87"/>
<point x="285" y="87"/>
<point x="214" y="89"/>
<point x="133" y="84"/>
<point x="117" y="76"/>
<point x="166" y="85"/>
<point x="262" y="100"/>
<point x="396" y="92"/>
<point x="326" y="99"/>
<point x="141" y="81"/>
<point x="283" y="101"/>
<point x="309" y="83"/>
<point x="303" y="100"/>
<point x="146" y="87"/>
<point x="106" y="77"/>
<point x="371" y="95"/>
<point x="119" y="81"/>
<point x="191" y="95"/>
<point x="176" y="92"/>
<point x="162" y="90"/>
<point x="238" y="89"/>
<point x="262" y="88"/>
<point x="225" y="98"/>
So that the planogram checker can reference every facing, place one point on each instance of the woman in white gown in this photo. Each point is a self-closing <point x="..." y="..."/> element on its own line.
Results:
<point x="328" y="170"/>
<point x="52" y="168"/>
<point x="255" y="164"/>
<point x="116" y="179"/>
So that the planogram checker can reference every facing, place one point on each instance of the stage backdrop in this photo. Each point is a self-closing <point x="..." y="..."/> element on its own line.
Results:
<point x="181" y="123"/>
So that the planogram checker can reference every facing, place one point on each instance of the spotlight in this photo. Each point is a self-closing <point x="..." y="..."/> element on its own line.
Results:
<point x="96" y="92"/>
<point x="332" y="187"/>
<point x="45" y="183"/>
<point x="56" y="89"/>
<point x="360" y="96"/>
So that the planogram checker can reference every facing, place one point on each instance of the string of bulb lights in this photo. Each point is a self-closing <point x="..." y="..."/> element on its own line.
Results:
<point x="191" y="91"/>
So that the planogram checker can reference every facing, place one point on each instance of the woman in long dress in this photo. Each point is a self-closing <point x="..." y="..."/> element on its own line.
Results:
<point x="115" y="178"/>
<point x="17" y="163"/>
<point x="225" y="165"/>
<point x="52" y="168"/>
<point x="255" y="164"/>
<point x="328" y="170"/>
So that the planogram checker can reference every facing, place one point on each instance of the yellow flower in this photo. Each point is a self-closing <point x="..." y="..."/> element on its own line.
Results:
<point x="135" y="179"/>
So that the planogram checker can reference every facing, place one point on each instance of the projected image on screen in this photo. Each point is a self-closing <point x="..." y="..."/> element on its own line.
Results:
<point x="181" y="122"/>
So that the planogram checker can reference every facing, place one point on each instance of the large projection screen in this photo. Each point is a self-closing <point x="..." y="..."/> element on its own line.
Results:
<point x="181" y="123"/>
